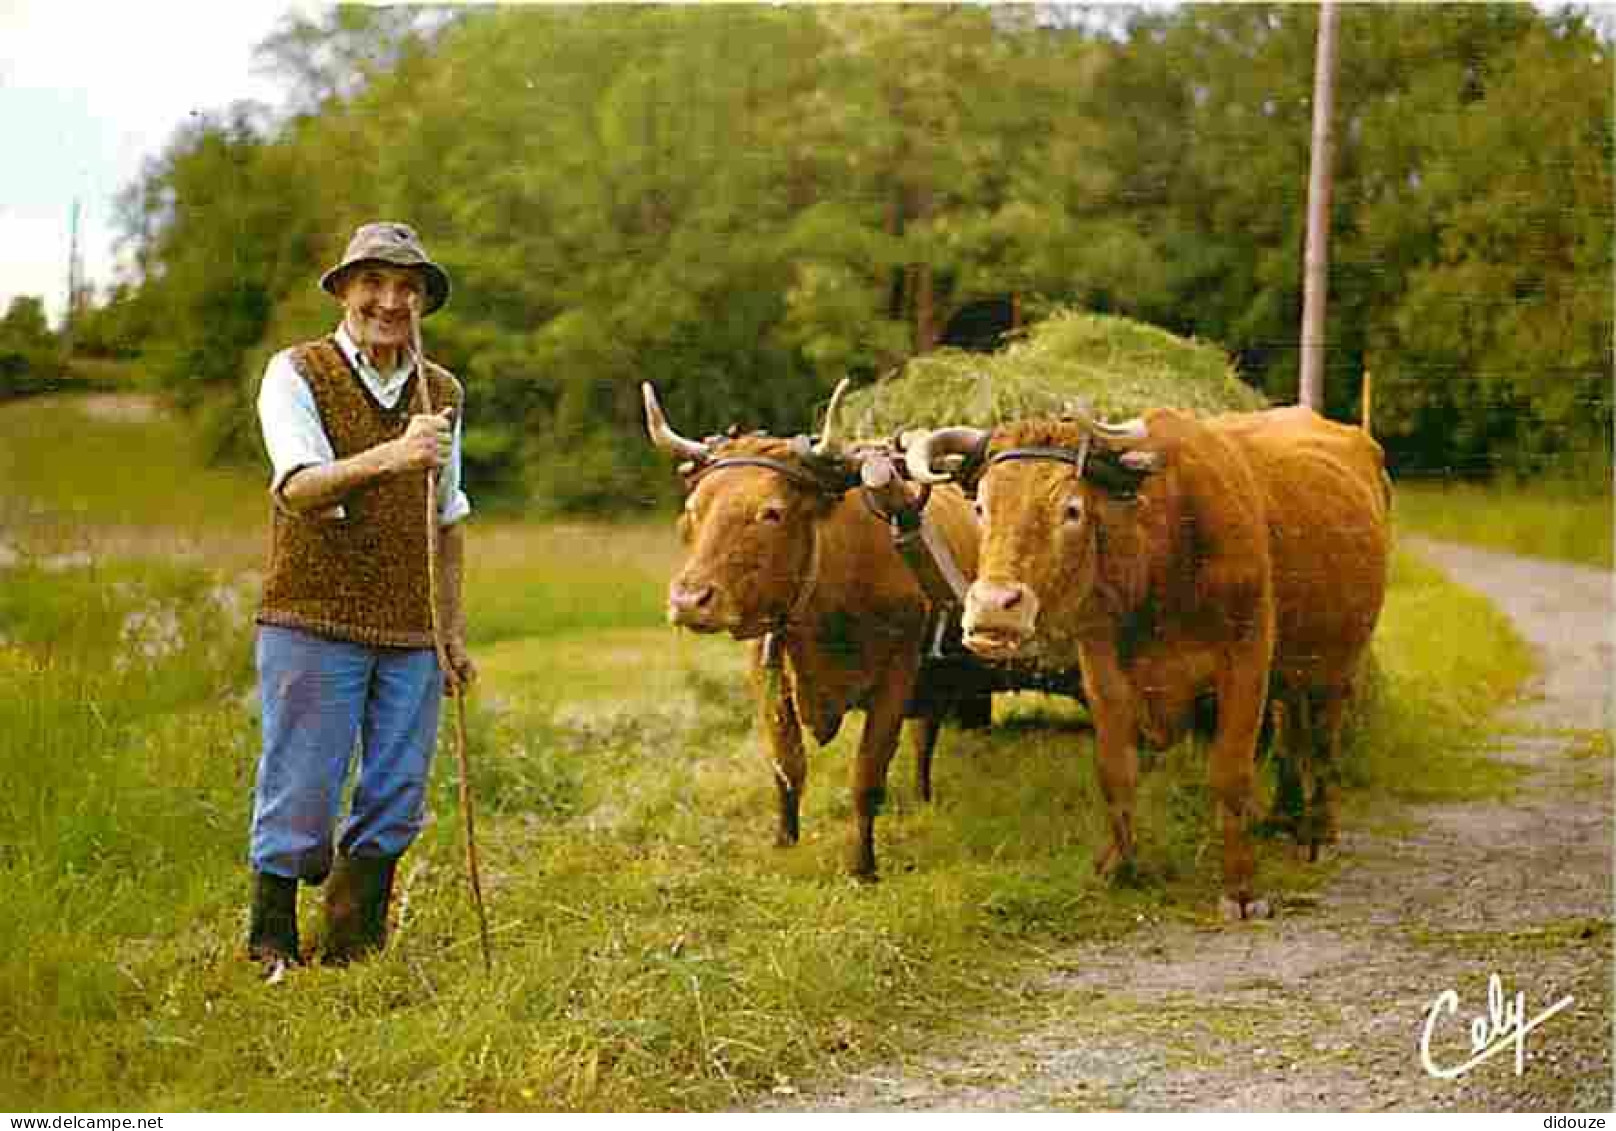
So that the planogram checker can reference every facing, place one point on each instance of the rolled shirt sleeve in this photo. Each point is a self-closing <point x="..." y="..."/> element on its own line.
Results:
<point x="295" y="438"/>
<point x="290" y="423"/>
<point x="453" y="505"/>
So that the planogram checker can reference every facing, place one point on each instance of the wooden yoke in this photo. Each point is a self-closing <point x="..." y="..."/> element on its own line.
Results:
<point x="916" y="539"/>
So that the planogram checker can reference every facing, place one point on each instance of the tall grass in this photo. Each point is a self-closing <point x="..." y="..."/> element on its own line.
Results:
<point x="1444" y="660"/>
<point x="652" y="950"/>
<point x="1564" y="521"/>
<point x="112" y="461"/>
<point x="576" y="577"/>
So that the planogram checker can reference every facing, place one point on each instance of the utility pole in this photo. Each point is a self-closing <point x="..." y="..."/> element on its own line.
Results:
<point x="1316" y="279"/>
<point x="75" y="282"/>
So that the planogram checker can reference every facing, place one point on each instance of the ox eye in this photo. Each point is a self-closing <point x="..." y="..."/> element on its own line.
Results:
<point x="773" y="513"/>
<point x="978" y="509"/>
<point x="1073" y="511"/>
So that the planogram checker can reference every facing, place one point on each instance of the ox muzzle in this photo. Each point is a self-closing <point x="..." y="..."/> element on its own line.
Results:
<point x="694" y="606"/>
<point x="704" y="607"/>
<point x="1000" y="619"/>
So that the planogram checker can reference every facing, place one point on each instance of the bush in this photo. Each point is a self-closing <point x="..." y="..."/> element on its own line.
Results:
<point x="31" y="359"/>
<point x="24" y="372"/>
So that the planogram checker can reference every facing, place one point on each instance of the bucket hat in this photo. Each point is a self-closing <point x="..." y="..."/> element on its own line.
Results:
<point x="395" y="245"/>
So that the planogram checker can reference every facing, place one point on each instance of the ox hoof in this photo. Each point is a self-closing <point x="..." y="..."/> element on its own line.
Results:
<point x="1316" y="852"/>
<point x="1116" y="867"/>
<point x="1234" y="910"/>
<point x="1275" y="826"/>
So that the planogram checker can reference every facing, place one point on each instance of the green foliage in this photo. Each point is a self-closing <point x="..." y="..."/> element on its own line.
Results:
<point x="1472" y="234"/>
<point x="116" y="328"/>
<point x="744" y="204"/>
<point x="30" y="356"/>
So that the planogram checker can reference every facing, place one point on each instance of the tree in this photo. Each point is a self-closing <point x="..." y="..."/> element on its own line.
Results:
<point x="30" y="357"/>
<point x="1499" y="351"/>
<point x="744" y="204"/>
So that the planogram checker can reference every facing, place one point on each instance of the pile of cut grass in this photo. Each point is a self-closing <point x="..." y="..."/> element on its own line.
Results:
<point x="1115" y="365"/>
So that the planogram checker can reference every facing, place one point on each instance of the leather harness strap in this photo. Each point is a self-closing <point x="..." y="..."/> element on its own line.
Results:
<point x="825" y="484"/>
<point x="1076" y="457"/>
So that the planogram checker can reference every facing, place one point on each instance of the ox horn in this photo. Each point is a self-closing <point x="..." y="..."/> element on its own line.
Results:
<point x="1128" y="431"/>
<point x="666" y="438"/>
<point x="922" y="450"/>
<point x="827" y="439"/>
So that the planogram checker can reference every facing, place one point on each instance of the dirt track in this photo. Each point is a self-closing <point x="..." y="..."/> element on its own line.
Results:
<point x="1323" y="1008"/>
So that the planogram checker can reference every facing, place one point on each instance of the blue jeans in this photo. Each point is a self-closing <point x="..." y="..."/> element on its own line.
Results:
<point x="324" y="700"/>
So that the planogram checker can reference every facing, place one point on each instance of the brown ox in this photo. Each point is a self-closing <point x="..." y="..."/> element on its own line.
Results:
<point x="781" y="552"/>
<point x="1178" y="560"/>
<point x="1328" y="503"/>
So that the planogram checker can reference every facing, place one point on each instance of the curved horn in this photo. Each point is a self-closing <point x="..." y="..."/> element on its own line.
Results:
<point x="921" y="451"/>
<point x="1128" y="431"/>
<point x="666" y="438"/>
<point x="827" y="442"/>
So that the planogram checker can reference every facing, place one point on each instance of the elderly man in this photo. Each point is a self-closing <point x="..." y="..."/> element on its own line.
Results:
<point x="345" y="649"/>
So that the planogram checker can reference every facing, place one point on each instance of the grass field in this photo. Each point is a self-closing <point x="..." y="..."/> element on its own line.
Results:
<point x="652" y="951"/>
<point x="1573" y="524"/>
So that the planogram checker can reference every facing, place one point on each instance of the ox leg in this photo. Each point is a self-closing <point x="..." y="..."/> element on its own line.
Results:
<point x="783" y="749"/>
<point x="1242" y="699"/>
<point x="1320" y="825"/>
<point x="923" y="733"/>
<point x="1288" y="753"/>
<point x="1116" y="756"/>
<point x="883" y="721"/>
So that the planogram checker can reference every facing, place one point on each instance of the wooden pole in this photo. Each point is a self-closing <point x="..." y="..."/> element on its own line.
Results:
<point x="75" y="283"/>
<point x="1316" y="281"/>
<point x="433" y="581"/>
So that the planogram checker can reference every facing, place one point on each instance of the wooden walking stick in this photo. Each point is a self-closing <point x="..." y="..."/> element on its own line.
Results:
<point x="424" y="395"/>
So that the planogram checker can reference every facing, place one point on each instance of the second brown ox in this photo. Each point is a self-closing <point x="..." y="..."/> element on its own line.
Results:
<point x="1178" y="561"/>
<point x="782" y="551"/>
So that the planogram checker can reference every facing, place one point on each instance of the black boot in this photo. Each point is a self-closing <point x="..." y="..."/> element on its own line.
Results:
<point x="272" y="932"/>
<point x="356" y="901"/>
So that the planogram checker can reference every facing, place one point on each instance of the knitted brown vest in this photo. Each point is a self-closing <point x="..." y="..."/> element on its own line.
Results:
<point x="361" y="577"/>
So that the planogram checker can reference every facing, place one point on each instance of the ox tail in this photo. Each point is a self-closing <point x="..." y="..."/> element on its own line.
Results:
<point x="1367" y="403"/>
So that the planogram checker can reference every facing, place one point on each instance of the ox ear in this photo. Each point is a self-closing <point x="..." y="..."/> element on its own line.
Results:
<point x="1120" y="474"/>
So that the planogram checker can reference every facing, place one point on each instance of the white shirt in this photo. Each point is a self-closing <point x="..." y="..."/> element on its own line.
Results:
<point x="296" y="439"/>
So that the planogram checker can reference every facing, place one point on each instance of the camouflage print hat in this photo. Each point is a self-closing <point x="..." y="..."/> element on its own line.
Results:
<point x="395" y="245"/>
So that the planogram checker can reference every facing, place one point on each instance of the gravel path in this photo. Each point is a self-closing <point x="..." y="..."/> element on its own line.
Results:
<point x="1324" y="1007"/>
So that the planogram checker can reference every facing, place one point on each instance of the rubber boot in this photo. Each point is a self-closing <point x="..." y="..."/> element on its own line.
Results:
<point x="272" y="931"/>
<point x="357" y="896"/>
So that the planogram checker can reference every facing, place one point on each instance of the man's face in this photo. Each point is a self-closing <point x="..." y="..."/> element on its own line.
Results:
<point x="378" y="299"/>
